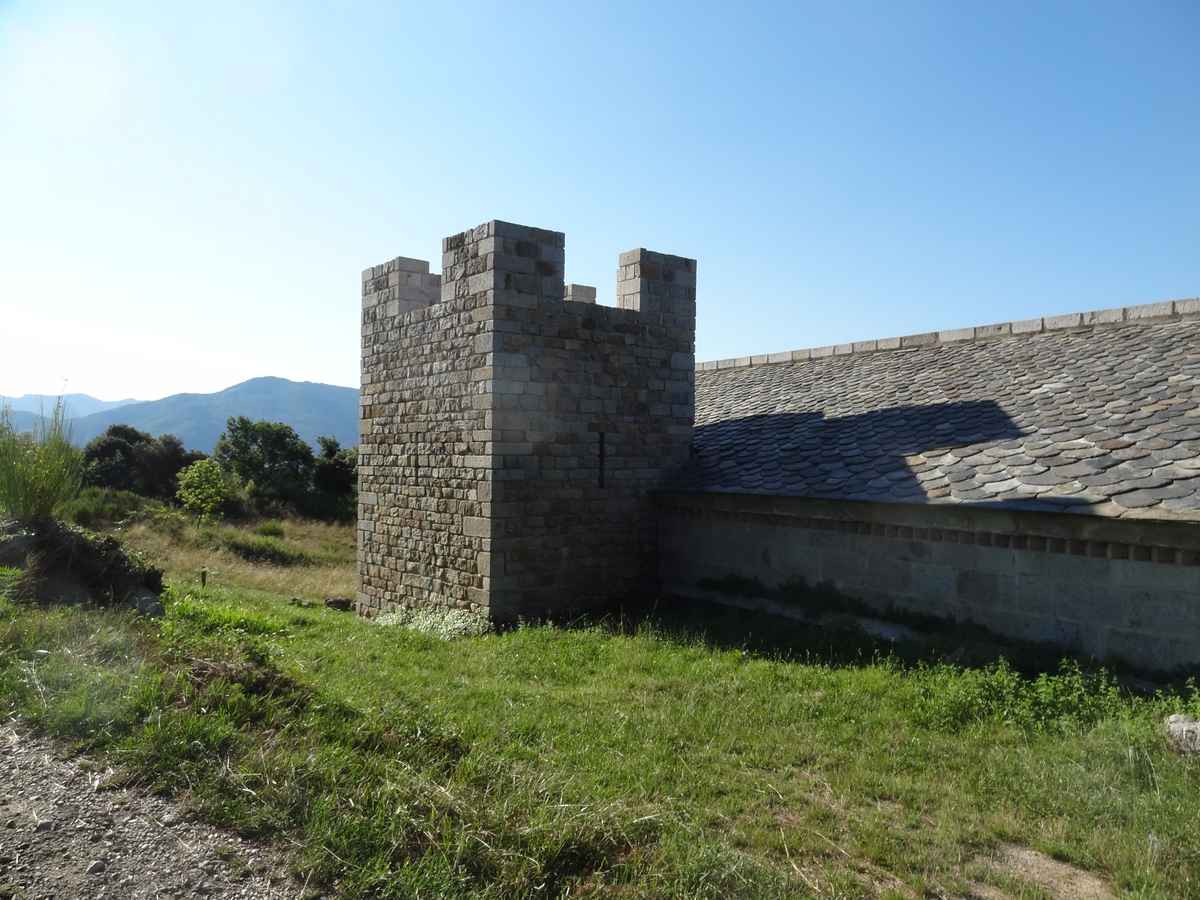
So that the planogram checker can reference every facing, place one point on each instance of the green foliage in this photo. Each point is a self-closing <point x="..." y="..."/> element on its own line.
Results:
<point x="259" y="548"/>
<point x="123" y="458"/>
<point x="951" y="698"/>
<point x="9" y="579"/>
<point x="207" y="490"/>
<point x="97" y="507"/>
<point x="607" y="761"/>
<point x="335" y="482"/>
<point x="269" y="529"/>
<point x="390" y="802"/>
<point x="40" y="471"/>
<point x="271" y="457"/>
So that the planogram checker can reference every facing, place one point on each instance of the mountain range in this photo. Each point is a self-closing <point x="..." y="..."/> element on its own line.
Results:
<point x="77" y="404"/>
<point x="198" y="419"/>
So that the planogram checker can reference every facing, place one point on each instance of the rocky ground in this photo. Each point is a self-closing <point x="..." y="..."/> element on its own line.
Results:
<point x="64" y="835"/>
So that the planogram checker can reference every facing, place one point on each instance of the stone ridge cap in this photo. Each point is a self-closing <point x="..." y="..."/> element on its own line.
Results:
<point x="1167" y="310"/>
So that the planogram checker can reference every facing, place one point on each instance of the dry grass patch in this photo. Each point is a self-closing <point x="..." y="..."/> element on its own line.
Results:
<point x="318" y="557"/>
<point x="1025" y="865"/>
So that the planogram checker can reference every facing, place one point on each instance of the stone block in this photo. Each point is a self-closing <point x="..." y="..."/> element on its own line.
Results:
<point x="955" y="335"/>
<point x="919" y="340"/>
<point x="1061" y="323"/>
<point x="1104" y="316"/>
<point x="1150" y="311"/>
<point x="1028" y="326"/>
<point x="1000" y="329"/>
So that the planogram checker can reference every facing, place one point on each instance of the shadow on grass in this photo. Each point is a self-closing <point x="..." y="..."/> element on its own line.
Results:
<point x="840" y="631"/>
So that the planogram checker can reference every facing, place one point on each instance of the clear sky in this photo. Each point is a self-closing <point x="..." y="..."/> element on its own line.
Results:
<point x="188" y="193"/>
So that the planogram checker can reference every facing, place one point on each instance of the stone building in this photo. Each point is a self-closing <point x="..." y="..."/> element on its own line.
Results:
<point x="513" y="430"/>
<point x="525" y="450"/>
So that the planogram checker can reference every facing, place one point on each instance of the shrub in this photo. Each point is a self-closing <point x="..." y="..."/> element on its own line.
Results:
<point x="169" y="521"/>
<point x="951" y="699"/>
<point x="124" y="458"/>
<point x="40" y="471"/>
<point x="270" y="529"/>
<point x="265" y="549"/>
<point x="9" y="579"/>
<point x="96" y="507"/>
<point x="207" y="490"/>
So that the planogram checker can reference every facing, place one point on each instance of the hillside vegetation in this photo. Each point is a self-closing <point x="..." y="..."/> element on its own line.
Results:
<point x="685" y="754"/>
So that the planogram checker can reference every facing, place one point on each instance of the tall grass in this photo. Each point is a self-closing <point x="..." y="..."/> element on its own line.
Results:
<point x="38" y="471"/>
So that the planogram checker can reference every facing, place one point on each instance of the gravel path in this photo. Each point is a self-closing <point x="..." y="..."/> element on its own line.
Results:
<point x="60" y="837"/>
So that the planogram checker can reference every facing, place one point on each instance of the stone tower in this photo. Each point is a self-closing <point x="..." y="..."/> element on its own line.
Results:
<point x="512" y="432"/>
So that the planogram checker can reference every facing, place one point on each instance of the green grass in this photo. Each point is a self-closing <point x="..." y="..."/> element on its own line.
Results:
<point x="264" y="549"/>
<point x="270" y="528"/>
<point x="656" y="758"/>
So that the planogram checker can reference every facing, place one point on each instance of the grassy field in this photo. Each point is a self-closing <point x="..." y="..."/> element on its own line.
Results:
<point x="675" y="755"/>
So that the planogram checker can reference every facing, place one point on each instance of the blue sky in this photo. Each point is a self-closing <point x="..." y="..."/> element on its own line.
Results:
<point x="190" y="193"/>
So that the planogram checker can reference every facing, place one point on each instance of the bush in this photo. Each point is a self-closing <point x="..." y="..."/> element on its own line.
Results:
<point x="270" y="529"/>
<point x="126" y="459"/>
<point x="265" y="549"/>
<point x="97" y="507"/>
<point x="951" y="699"/>
<point x="38" y="472"/>
<point x="207" y="490"/>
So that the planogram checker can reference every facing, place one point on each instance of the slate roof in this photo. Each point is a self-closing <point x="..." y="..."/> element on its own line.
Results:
<point x="1101" y="419"/>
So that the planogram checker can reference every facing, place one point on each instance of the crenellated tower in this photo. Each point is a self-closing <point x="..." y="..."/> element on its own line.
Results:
<point x="513" y="430"/>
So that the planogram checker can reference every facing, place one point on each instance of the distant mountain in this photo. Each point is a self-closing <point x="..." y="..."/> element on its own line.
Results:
<point x="198" y="419"/>
<point x="24" y="421"/>
<point x="77" y="404"/>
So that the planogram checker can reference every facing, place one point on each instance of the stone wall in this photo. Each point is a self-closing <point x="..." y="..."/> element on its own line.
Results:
<point x="511" y="437"/>
<point x="594" y="408"/>
<point x="422" y="440"/>
<point x="1127" y="590"/>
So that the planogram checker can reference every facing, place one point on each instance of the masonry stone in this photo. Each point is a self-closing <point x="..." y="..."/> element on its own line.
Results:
<point x="513" y="430"/>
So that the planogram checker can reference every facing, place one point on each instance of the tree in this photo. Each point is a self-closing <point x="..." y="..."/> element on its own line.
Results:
<point x="336" y="471"/>
<point x="127" y="459"/>
<point x="206" y="489"/>
<point x="335" y="480"/>
<point x="276" y="465"/>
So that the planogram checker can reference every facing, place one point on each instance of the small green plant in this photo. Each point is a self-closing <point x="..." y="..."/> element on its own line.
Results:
<point x="9" y="579"/>
<point x="269" y="529"/>
<point x="207" y="490"/>
<point x="96" y="507"/>
<point x="950" y="698"/>
<point x="265" y="549"/>
<point x="39" y="471"/>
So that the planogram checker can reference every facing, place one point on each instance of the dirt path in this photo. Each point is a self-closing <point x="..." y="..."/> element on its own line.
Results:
<point x="60" y="837"/>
